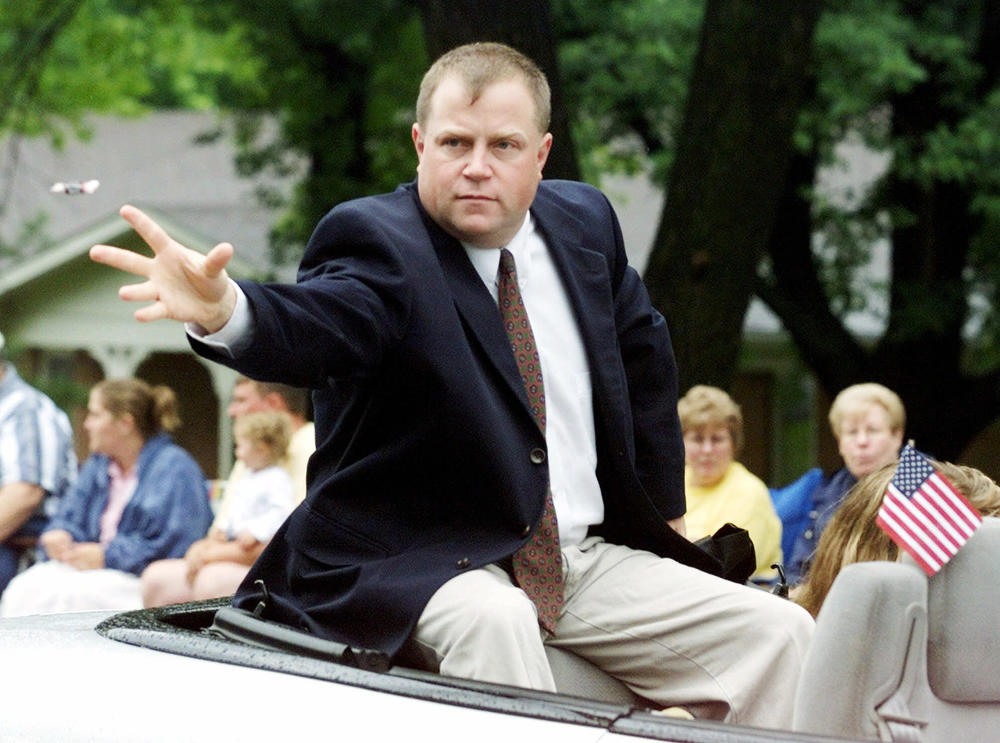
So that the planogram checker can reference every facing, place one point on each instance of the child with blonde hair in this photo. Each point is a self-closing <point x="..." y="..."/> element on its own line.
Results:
<point x="263" y="496"/>
<point x="260" y="503"/>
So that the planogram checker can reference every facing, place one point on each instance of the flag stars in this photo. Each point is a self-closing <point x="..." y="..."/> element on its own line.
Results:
<point x="924" y="514"/>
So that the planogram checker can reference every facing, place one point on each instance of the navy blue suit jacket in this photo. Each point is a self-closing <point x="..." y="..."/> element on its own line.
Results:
<point x="428" y="460"/>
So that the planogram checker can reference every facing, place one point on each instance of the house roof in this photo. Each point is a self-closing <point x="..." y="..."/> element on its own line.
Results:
<point x="107" y="231"/>
<point x="163" y="164"/>
<point x="156" y="162"/>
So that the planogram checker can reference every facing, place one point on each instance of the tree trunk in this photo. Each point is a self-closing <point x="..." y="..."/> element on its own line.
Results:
<point x="733" y="153"/>
<point x="920" y="356"/>
<point x="793" y="290"/>
<point x="526" y="26"/>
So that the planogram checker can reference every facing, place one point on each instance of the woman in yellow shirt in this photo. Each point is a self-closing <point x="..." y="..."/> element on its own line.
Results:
<point x="720" y="489"/>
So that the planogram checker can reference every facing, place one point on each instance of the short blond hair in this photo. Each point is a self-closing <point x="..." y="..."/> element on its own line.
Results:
<point x="478" y="66"/>
<point x="710" y="406"/>
<point x="859" y="397"/>
<point x="268" y="427"/>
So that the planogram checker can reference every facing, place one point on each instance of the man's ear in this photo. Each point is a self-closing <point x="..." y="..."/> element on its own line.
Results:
<point x="543" y="151"/>
<point x="418" y="139"/>
<point x="275" y="401"/>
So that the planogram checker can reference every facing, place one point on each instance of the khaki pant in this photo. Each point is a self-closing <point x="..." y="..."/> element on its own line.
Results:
<point x="675" y="635"/>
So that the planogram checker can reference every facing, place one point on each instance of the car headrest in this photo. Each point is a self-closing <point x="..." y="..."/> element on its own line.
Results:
<point x="963" y="637"/>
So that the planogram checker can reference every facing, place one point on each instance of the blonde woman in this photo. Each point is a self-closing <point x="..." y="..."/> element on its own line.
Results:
<point x="718" y="488"/>
<point x="867" y="420"/>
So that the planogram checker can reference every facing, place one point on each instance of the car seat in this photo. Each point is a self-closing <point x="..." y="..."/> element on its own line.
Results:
<point x="898" y="656"/>
<point x="581" y="678"/>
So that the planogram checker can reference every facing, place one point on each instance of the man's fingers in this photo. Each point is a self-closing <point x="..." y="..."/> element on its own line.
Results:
<point x="151" y="313"/>
<point x="181" y="284"/>
<point x="144" y="292"/>
<point x="123" y="260"/>
<point x="154" y="235"/>
<point x="217" y="259"/>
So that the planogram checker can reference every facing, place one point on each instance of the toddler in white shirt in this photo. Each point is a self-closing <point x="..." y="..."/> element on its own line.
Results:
<point x="263" y="496"/>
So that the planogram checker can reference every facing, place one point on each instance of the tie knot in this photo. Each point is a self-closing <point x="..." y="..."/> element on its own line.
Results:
<point x="507" y="266"/>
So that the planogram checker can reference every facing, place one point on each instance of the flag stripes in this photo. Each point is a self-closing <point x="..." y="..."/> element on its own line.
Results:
<point x="924" y="514"/>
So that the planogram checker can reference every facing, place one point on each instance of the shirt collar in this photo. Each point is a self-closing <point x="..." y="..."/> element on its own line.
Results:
<point x="486" y="261"/>
<point x="118" y="475"/>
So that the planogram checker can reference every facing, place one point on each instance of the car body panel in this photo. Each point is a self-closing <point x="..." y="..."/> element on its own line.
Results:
<point x="90" y="688"/>
<point x="160" y="676"/>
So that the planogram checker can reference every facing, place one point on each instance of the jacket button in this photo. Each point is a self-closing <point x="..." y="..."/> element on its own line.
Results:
<point x="537" y="456"/>
<point x="526" y="531"/>
<point x="463" y="563"/>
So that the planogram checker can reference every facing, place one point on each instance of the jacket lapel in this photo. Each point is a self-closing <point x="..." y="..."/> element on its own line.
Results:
<point x="586" y="277"/>
<point x="477" y="308"/>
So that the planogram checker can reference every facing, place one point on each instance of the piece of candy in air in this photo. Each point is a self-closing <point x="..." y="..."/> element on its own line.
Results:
<point x="75" y="187"/>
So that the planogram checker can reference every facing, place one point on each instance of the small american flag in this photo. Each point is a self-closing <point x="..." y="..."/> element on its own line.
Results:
<point x="924" y="514"/>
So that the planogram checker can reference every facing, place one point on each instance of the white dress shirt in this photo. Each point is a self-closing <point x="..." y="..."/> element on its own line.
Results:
<point x="569" y="409"/>
<point x="569" y="435"/>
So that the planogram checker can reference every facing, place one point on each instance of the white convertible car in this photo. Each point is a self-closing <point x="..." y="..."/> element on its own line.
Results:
<point x="184" y="674"/>
<point x="896" y="657"/>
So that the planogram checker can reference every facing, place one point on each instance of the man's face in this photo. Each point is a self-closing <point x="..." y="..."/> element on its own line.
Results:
<point x="867" y="440"/>
<point x="479" y="162"/>
<point x="246" y="399"/>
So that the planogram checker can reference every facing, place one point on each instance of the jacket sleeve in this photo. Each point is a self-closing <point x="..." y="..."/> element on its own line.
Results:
<point x="349" y="305"/>
<point x="167" y="513"/>
<point x="651" y="374"/>
<point x="76" y="506"/>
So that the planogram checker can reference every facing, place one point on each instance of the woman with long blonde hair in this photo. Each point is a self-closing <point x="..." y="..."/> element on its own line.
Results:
<point x="854" y="536"/>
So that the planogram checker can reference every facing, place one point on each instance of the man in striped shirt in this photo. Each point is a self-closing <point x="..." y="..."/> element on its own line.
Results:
<point x="37" y="464"/>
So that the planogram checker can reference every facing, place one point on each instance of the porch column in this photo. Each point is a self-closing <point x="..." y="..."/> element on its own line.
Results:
<point x="223" y="379"/>
<point x="118" y="361"/>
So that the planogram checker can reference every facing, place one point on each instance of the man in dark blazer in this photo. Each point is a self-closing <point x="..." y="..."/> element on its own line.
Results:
<point x="432" y="471"/>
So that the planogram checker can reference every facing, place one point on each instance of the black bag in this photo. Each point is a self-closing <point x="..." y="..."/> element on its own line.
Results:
<point x="731" y="546"/>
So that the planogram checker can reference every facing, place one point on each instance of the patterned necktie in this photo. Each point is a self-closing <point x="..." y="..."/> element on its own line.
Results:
<point x="538" y="564"/>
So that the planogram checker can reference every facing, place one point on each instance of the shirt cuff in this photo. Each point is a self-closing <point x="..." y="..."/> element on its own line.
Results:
<point x="235" y="334"/>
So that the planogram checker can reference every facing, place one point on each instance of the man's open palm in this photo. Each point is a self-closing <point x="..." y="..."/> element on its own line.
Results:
<point x="181" y="284"/>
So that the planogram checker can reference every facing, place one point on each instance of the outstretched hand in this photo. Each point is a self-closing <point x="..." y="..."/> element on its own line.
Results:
<point x="181" y="283"/>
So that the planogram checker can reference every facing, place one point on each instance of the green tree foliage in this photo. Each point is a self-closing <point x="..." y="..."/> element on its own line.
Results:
<point x="340" y="78"/>
<point x="919" y="82"/>
<point x="324" y="90"/>
<point x="719" y="145"/>
<point x="318" y="89"/>
<point x="62" y="60"/>
<point x="625" y="68"/>
<point x="915" y="82"/>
